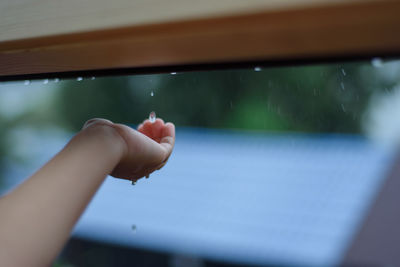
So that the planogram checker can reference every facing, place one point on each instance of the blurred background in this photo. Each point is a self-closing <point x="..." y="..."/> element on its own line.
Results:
<point x="273" y="166"/>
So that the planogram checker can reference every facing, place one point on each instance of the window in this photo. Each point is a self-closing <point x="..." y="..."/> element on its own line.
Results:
<point x="272" y="165"/>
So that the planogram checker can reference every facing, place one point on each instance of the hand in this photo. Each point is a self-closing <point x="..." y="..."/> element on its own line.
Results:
<point x="147" y="149"/>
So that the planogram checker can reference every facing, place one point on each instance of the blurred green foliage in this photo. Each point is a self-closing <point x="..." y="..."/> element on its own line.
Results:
<point x="313" y="98"/>
<point x="324" y="98"/>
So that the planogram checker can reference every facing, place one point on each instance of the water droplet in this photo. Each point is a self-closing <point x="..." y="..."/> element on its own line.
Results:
<point x="93" y="78"/>
<point x="152" y="93"/>
<point x="134" y="228"/>
<point x="45" y="81"/>
<point x="173" y="73"/>
<point x="257" y="69"/>
<point x="342" y="85"/>
<point x="56" y="80"/>
<point x="27" y="82"/>
<point x="79" y="79"/>
<point x="152" y="117"/>
<point x="377" y="62"/>
<point x="344" y="72"/>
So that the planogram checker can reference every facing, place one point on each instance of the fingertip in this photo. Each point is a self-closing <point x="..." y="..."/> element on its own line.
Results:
<point x="157" y="125"/>
<point x="96" y="120"/>
<point x="146" y="124"/>
<point x="169" y="129"/>
<point x="170" y="124"/>
<point x="159" y="120"/>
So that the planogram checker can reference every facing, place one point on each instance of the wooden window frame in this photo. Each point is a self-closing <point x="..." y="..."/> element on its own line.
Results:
<point x="330" y="32"/>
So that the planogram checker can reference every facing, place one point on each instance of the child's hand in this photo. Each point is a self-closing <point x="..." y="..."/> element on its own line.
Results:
<point x="147" y="149"/>
<point x="71" y="178"/>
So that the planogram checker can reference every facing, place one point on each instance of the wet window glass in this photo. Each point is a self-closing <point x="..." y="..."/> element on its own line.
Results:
<point x="272" y="165"/>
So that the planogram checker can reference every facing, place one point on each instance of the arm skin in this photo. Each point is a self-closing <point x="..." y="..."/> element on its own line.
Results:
<point x="38" y="216"/>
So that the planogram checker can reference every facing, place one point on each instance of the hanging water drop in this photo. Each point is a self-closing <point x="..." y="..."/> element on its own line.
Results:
<point x="79" y="79"/>
<point x="257" y="69"/>
<point x="152" y="93"/>
<point x="27" y="82"/>
<point x="152" y="117"/>
<point x="45" y="81"/>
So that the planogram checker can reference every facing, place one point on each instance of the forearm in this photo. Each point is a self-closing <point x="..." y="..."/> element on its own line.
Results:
<point x="37" y="217"/>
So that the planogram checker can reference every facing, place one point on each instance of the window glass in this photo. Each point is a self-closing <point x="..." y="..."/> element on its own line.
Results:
<point x="272" y="165"/>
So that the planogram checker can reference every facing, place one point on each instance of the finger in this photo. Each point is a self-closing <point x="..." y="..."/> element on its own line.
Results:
<point x="157" y="128"/>
<point x="159" y="120"/>
<point x="146" y="129"/>
<point x="147" y="121"/>
<point x="96" y="120"/>
<point x="168" y="138"/>
<point x="169" y="130"/>
<point x="153" y="129"/>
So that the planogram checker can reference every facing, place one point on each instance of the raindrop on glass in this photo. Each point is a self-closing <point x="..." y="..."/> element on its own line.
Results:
<point x="27" y="82"/>
<point x="152" y="117"/>
<point x="152" y="93"/>
<point x="79" y="79"/>
<point x="45" y="81"/>
<point x="173" y="73"/>
<point x="377" y="62"/>
<point x="56" y="80"/>
<point x="344" y="72"/>
<point x="257" y="69"/>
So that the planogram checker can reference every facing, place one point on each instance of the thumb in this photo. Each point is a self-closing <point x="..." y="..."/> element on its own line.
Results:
<point x="96" y="121"/>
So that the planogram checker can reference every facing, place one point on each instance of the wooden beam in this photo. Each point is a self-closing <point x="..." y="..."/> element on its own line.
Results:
<point x="21" y="19"/>
<point x="335" y="30"/>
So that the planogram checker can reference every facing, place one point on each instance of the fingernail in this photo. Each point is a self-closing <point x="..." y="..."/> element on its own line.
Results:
<point x="95" y="120"/>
